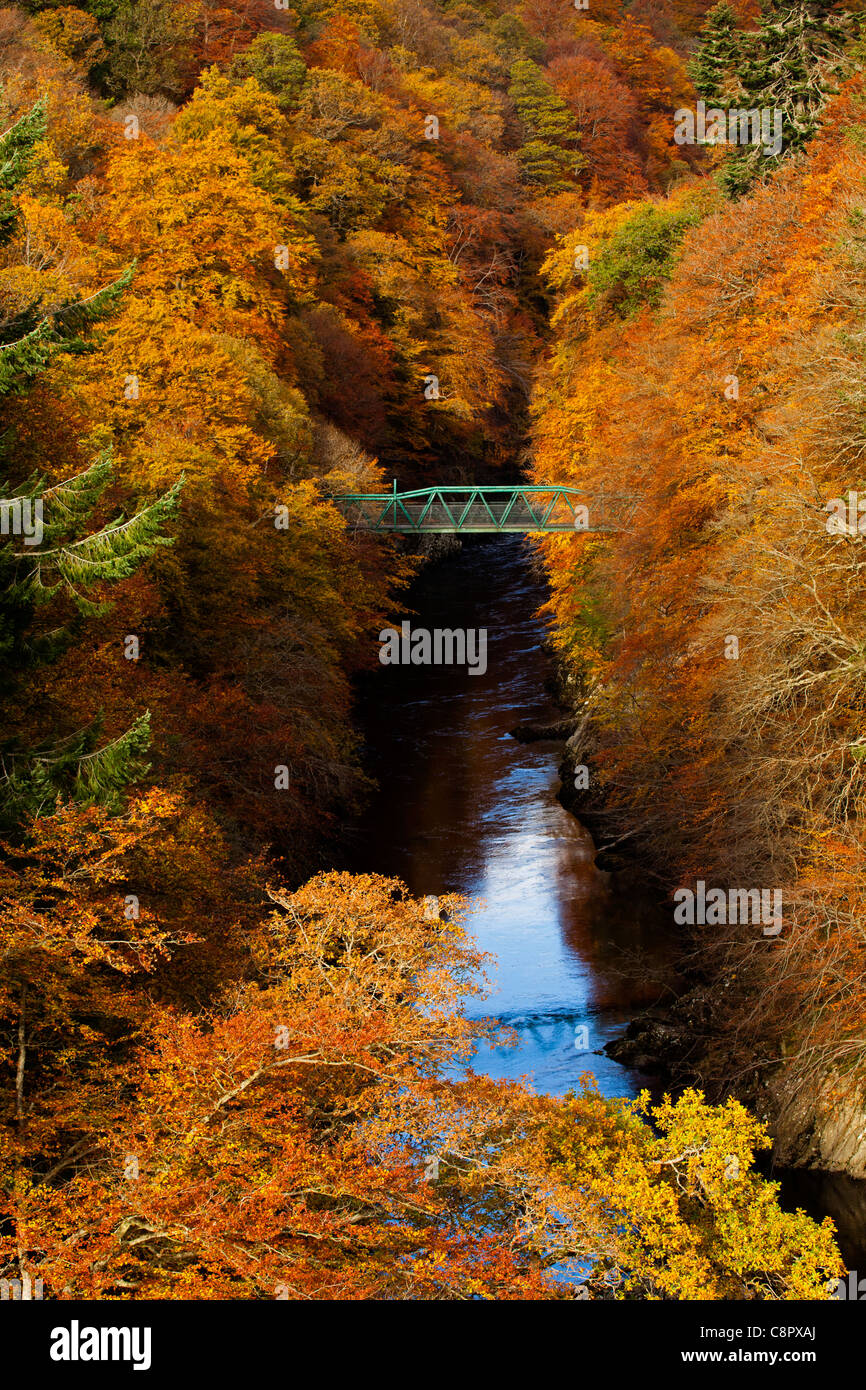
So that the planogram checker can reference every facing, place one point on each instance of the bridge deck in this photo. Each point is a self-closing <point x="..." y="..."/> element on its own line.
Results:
<point x="468" y="508"/>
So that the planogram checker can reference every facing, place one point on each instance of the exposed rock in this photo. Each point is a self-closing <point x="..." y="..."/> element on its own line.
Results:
<point x="652" y="1042"/>
<point x="433" y="546"/>
<point x="586" y="803"/>
<point x="534" y="733"/>
<point x="663" y="1038"/>
<point x="815" y="1132"/>
<point x="811" y="1131"/>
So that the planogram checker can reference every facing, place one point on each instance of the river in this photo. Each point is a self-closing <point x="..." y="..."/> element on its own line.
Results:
<point x="464" y="807"/>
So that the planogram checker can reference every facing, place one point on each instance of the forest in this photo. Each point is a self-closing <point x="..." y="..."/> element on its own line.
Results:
<point x="237" y="237"/>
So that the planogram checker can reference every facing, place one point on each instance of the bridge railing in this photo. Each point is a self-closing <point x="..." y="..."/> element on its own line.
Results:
<point x="496" y="508"/>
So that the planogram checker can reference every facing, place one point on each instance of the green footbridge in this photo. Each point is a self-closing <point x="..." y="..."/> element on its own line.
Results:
<point x="501" y="508"/>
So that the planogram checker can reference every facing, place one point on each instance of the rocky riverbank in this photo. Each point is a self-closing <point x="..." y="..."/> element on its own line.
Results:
<point x="673" y="1039"/>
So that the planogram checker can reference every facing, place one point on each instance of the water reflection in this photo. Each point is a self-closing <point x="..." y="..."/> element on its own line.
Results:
<point x="835" y="1195"/>
<point x="463" y="807"/>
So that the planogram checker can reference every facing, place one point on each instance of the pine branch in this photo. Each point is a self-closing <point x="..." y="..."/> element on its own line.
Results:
<point x="17" y="153"/>
<point x="114" y="552"/>
<point x="60" y="330"/>
<point x="31" y="781"/>
<point x="71" y="563"/>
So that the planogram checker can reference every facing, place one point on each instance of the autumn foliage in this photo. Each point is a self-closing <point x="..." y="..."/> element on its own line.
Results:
<point x="306" y="1138"/>
<point x="233" y="250"/>
<point x="719" y="636"/>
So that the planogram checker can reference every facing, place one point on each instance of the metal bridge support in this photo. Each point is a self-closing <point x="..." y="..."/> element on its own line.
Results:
<point x="499" y="508"/>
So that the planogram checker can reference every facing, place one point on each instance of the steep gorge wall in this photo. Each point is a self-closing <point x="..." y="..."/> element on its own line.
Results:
<point x="717" y="640"/>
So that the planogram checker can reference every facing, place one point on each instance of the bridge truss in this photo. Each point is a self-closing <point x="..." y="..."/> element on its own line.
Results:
<point x="499" y="508"/>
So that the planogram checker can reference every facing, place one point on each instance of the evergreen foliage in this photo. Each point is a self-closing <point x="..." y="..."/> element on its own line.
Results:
<point x="67" y="565"/>
<point x="17" y="153"/>
<point x="33" y="780"/>
<point x="790" y="65"/>
<point x="551" y="135"/>
<point x="714" y="67"/>
<point x="33" y="337"/>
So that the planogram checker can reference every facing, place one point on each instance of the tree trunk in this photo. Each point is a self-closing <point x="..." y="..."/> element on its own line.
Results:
<point x="22" y="1059"/>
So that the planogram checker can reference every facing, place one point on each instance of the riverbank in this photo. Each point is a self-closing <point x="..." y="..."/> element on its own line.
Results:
<point x="476" y="795"/>
<point x="821" y="1164"/>
<point x="465" y="806"/>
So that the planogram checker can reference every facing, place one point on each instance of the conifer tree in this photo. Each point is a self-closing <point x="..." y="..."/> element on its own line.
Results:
<point x="29" y="339"/>
<point x="795" y="63"/>
<point x="551" y="136"/>
<point x="47" y="556"/>
<point x="792" y="66"/>
<point x="714" y="67"/>
<point x="64" y="567"/>
<point x="17" y="154"/>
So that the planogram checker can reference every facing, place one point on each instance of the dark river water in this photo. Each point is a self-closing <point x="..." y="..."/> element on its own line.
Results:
<point x="463" y="807"/>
